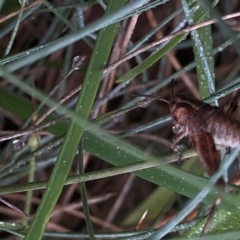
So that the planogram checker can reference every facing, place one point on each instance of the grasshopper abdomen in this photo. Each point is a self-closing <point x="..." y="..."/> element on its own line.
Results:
<point x="224" y="129"/>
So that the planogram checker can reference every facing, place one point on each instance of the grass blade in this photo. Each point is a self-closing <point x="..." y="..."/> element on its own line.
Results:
<point x="75" y="131"/>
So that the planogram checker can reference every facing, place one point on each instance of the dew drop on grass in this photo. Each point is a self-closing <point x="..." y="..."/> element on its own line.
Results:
<point x="78" y="62"/>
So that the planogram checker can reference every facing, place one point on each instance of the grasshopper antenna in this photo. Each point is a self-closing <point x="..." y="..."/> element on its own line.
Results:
<point x="151" y="98"/>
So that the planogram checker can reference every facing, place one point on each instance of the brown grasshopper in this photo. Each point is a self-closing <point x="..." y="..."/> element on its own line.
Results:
<point x="205" y="126"/>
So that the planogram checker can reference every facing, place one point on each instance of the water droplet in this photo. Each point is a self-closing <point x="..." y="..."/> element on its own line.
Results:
<point x="17" y="144"/>
<point x="78" y="62"/>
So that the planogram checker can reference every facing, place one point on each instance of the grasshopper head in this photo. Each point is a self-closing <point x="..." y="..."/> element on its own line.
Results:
<point x="181" y="113"/>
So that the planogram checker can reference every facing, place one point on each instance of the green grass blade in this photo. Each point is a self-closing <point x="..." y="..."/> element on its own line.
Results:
<point x="45" y="50"/>
<point x="83" y="191"/>
<point x="224" y="222"/>
<point x="131" y="159"/>
<point x="90" y="86"/>
<point x="203" y="49"/>
<point x="151" y="60"/>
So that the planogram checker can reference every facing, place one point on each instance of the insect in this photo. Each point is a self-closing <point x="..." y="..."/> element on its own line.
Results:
<point x="205" y="126"/>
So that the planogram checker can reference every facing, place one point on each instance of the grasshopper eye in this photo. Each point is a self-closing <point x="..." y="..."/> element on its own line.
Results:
<point x="175" y="129"/>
